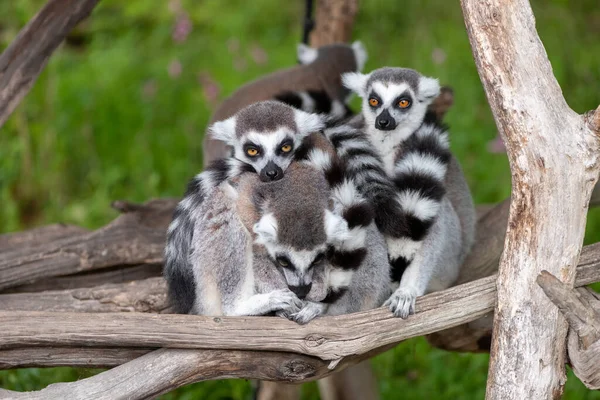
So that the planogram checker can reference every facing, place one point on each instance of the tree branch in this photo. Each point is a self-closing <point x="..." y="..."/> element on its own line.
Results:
<point x="135" y="237"/>
<point x="550" y="195"/>
<point x="22" y="62"/>
<point x="333" y="22"/>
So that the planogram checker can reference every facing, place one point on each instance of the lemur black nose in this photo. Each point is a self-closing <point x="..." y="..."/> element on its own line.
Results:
<point x="271" y="172"/>
<point x="383" y="123"/>
<point x="300" y="291"/>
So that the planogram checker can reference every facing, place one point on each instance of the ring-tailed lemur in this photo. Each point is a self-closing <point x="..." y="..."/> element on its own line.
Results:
<point x="290" y="258"/>
<point x="314" y="86"/>
<point x="399" y="159"/>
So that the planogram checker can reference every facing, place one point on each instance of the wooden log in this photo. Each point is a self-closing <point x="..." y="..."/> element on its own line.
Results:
<point x="330" y="338"/>
<point x="333" y="22"/>
<point x="113" y="275"/>
<point x="48" y="233"/>
<point x="135" y="237"/>
<point x="581" y="308"/>
<point x="149" y="295"/>
<point x="553" y="155"/>
<point x="22" y="61"/>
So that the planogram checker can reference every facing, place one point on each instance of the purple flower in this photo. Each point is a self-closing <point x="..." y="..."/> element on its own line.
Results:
<point x="210" y="87"/>
<point x="183" y="27"/>
<point x="175" y="69"/>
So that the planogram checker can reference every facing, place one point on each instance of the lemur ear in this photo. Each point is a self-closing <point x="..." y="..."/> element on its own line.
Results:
<point x="360" y="53"/>
<point x="223" y="130"/>
<point x="307" y="123"/>
<point x="336" y="228"/>
<point x="429" y="88"/>
<point x="266" y="229"/>
<point x="306" y="54"/>
<point x="356" y="82"/>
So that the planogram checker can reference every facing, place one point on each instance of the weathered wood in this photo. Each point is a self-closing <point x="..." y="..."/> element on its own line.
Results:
<point x="22" y="62"/>
<point x="333" y="22"/>
<point x="553" y="156"/>
<point x="166" y="369"/>
<point x="476" y="336"/>
<point x="578" y="311"/>
<point x="329" y="338"/>
<point x="85" y="357"/>
<point x="119" y="274"/>
<point x="149" y="295"/>
<point x="48" y="233"/>
<point x="581" y="308"/>
<point x="136" y="237"/>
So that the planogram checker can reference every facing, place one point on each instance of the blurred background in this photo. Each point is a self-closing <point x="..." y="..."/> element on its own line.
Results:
<point x="121" y="108"/>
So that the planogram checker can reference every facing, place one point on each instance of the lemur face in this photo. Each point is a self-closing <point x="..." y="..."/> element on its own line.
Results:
<point x="265" y="135"/>
<point x="395" y="100"/>
<point x="298" y="261"/>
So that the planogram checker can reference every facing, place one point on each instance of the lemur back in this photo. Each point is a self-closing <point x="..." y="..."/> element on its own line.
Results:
<point x="314" y="86"/>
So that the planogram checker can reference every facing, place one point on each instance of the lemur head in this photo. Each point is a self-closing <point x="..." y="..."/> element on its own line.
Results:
<point x="334" y="60"/>
<point x="265" y="135"/>
<point x="394" y="99"/>
<point x="296" y="226"/>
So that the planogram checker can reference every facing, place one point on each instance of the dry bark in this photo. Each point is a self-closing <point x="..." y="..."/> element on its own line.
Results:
<point x="333" y="22"/>
<point x="135" y="237"/>
<point x="581" y="308"/>
<point x="149" y="295"/>
<point x="553" y="154"/>
<point x="22" y="62"/>
<point x="112" y="275"/>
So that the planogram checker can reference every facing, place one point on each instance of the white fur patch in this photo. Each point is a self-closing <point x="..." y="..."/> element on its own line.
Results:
<point x="406" y="248"/>
<point x="339" y="278"/>
<point x="337" y="109"/>
<point x="306" y="54"/>
<point x="346" y="193"/>
<point x="336" y="228"/>
<point x="423" y="164"/>
<point x="441" y="136"/>
<point x="266" y="229"/>
<point x="421" y="207"/>
<point x="428" y="88"/>
<point x="308" y="123"/>
<point x="319" y="158"/>
<point x="358" y="237"/>
<point x="360" y="54"/>
<point x="356" y="82"/>
<point x="308" y="104"/>
<point x="223" y="130"/>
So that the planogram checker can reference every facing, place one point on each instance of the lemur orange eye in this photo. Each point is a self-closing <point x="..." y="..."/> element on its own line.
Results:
<point x="286" y="148"/>
<point x="251" y="151"/>
<point x="373" y="102"/>
<point x="403" y="103"/>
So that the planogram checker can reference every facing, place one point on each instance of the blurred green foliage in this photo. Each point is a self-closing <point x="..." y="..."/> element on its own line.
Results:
<point x="120" y="110"/>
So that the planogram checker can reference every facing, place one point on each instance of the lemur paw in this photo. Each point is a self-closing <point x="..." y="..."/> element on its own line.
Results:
<point x="285" y="302"/>
<point x="309" y="312"/>
<point x="402" y="303"/>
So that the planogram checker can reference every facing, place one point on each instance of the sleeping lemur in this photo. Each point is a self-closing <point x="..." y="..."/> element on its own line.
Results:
<point x="314" y="86"/>
<point x="399" y="156"/>
<point x="291" y="266"/>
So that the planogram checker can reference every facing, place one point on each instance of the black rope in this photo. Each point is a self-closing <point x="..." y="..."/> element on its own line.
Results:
<point x="309" y="23"/>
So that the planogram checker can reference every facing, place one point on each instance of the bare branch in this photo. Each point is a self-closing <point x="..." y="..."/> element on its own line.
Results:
<point x="135" y="237"/>
<point x="549" y="196"/>
<point x="22" y="62"/>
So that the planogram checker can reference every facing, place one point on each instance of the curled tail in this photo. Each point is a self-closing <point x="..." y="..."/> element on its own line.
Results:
<point x="318" y="102"/>
<point x="419" y="174"/>
<point x="180" y="234"/>
<point x="345" y="256"/>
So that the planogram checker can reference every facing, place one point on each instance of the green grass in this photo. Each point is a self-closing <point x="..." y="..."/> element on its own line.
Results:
<point x="107" y="121"/>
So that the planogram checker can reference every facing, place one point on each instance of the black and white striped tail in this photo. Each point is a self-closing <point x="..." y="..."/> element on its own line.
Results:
<point x="177" y="270"/>
<point x="419" y="174"/>
<point x="347" y="256"/>
<point x="407" y="203"/>
<point x="318" y="102"/>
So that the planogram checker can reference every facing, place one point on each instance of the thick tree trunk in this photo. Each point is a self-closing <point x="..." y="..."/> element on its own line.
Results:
<point x="333" y="22"/>
<point x="553" y="154"/>
<point x="22" y="62"/>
